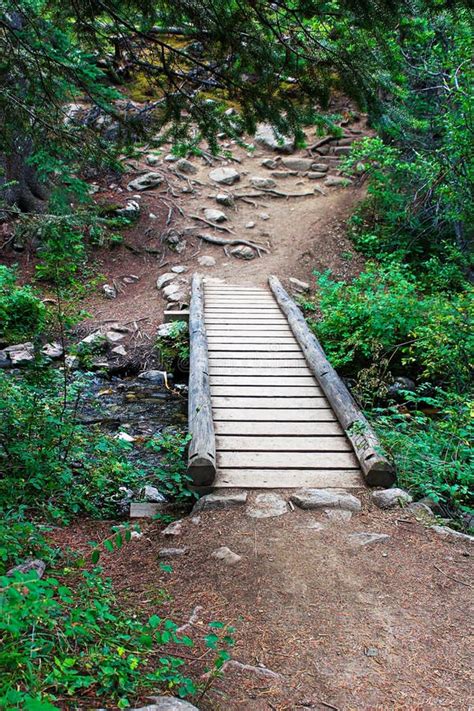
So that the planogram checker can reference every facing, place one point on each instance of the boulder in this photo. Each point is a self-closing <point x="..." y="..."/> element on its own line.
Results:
<point x="315" y="176"/>
<point x="220" y="501"/>
<point x="262" y="183"/>
<point x="214" y="215"/>
<point x="154" y="376"/>
<point x="389" y="498"/>
<point x="226" y="555"/>
<point x="325" y="499"/>
<point x="320" y="167"/>
<point x="300" y="164"/>
<point x="21" y="354"/>
<point x="267" y="506"/>
<point x="147" y="181"/>
<point x="38" y="566"/>
<point x="151" y="493"/>
<point x="333" y="181"/>
<point x="185" y="166"/>
<point x="52" y="350"/>
<point x="447" y="532"/>
<point x="165" y="279"/>
<point x="179" y="269"/>
<point x="243" y="252"/>
<point x="167" y="703"/>
<point x="267" y="137"/>
<point x="269" y="163"/>
<point x="224" y="176"/>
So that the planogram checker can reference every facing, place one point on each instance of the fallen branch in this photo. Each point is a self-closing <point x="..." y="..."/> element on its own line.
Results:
<point x="192" y="619"/>
<point x="451" y="577"/>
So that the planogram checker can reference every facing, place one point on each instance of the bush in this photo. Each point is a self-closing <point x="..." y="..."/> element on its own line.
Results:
<point x="22" y="314"/>
<point x="381" y="312"/>
<point x="174" y="347"/>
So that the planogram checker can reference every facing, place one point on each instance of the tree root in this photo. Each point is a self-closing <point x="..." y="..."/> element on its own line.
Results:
<point x="234" y="243"/>
<point x="212" y="224"/>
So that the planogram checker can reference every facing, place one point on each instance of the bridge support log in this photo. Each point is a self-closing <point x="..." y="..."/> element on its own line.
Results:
<point x="377" y="470"/>
<point x="202" y="448"/>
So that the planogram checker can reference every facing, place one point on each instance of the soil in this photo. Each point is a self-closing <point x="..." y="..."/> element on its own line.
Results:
<point x="382" y="626"/>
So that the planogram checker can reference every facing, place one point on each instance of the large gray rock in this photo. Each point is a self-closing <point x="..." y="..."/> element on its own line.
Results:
<point x="52" y="350"/>
<point x="299" y="164"/>
<point x="220" y="501"/>
<point x="242" y="251"/>
<point x="151" y="493"/>
<point x="389" y="498"/>
<point x="21" y="354"/>
<point x="165" y="279"/>
<point x="262" y="183"/>
<point x="185" y="166"/>
<point x="266" y="136"/>
<point x="206" y="261"/>
<point x="226" y="555"/>
<point x="366" y="538"/>
<point x="167" y="703"/>
<point x="447" y="532"/>
<point x="267" y="506"/>
<point x="147" y="181"/>
<point x="326" y="499"/>
<point x="224" y="176"/>
<point x="225" y="199"/>
<point x="334" y="181"/>
<point x="38" y="566"/>
<point x="214" y="215"/>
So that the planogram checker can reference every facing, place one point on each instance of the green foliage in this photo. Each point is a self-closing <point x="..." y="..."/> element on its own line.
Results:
<point x="22" y="314"/>
<point x="382" y="312"/>
<point x="20" y="538"/>
<point x="171" y="475"/>
<point x="174" y="347"/>
<point x="431" y="446"/>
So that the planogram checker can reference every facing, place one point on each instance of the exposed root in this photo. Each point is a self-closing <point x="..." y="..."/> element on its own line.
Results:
<point x="234" y="243"/>
<point x="192" y="619"/>
<point x="212" y="224"/>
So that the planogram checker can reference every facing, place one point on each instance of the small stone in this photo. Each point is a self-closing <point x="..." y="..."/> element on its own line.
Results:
<point x="267" y="137"/>
<point x="367" y="538"/>
<point x="131" y="210"/>
<point x="152" y="159"/>
<point x="179" y="269"/>
<point x="280" y="174"/>
<point x="151" y="493"/>
<point x="207" y="261"/>
<point x="196" y="520"/>
<point x="226" y="555"/>
<point x="109" y="291"/>
<point x="320" y="167"/>
<point x="171" y="291"/>
<point x="214" y="215"/>
<point x="173" y="529"/>
<point x="145" y="182"/>
<point x="326" y="498"/>
<point x="390" y="498"/>
<point x="167" y="703"/>
<point x="130" y="279"/>
<point x="170" y="158"/>
<point x="315" y="176"/>
<point x="165" y="279"/>
<point x="250" y="225"/>
<point x="37" y="565"/>
<point x="299" y="164"/>
<point x="165" y="330"/>
<point x="335" y="181"/>
<point x="125" y="437"/>
<point x="21" y="354"/>
<point x="172" y="552"/>
<point x="220" y="501"/>
<point x="338" y="514"/>
<point x="152" y="216"/>
<point x="225" y="199"/>
<point x="243" y="252"/>
<point x="52" y="350"/>
<point x="267" y="506"/>
<point x="315" y="526"/>
<point x="136" y="535"/>
<point x="119" y="350"/>
<point x="154" y="376"/>
<point x="114" y="337"/>
<point x="224" y="176"/>
<point x="301" y="286"/>
<point x="269" y="163"/>
<point x="262" y="183"/>
<point x="264" y="216"/>
<point x="185" y="166"/>
<point x="5" y="361"/>
<point x="447" y="532"/>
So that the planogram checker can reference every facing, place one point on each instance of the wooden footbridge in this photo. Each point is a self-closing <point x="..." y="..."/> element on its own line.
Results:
<point x="266" y="408"/>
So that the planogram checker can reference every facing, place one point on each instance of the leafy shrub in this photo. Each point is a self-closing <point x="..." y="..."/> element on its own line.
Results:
<point x="432" y="450"/>
<point x="382" y="312"/>
<point x="171" y="475"/>
<point x="20" y="538"/>
<point x="22" y="314"/>
<point x="174" y="347"/>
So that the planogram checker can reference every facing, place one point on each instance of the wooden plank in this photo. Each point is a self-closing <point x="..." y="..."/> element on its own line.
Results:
<point x="288" y="479"/>
<point x="242" y="443"/>
<point x="263" y="391"/>
<point x="297" y="460"/>
<point x="244" y="320"/>
<point x="246" y="347"/>
<point x="259" y="414"/>
<point x="247" y="361"/>
<point x="244" y="329"/>
<point x="277" y="403"/>
<point x="264" y="373"/>
<point x="249" y="338"/>
<point x="259" y="381"/>
<point x="277" y="428"/>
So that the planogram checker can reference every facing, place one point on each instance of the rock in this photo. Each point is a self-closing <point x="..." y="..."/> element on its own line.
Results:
<point x="37" y="565"/>
<point x="336" y="180"/>
<point x="175" y="241"/>
<point x="447" y="532"/>
<point x="206" y="261"/>
<point x="173" y="529"/>
<point x="249" y="225"/>
<point x="170" y="158"/>
<point x="342" y="150"/>
<point x="185" y="166"/>
<point x="164" y="330"/>
<point x="320" y="167"/>
<point x="145" y="182"/>
<point x="5" y="361"/>
<point x="315" y="176"/>
<point x="266" y="136"/>
<point x="225" y="199"/>
<point x="136" y="535"/>
<point x="131" y="210"/>
<point x="399" y="385"/>
<point x="179" y="269"/>
<point x="338" y="514"/>
<point x="315" y="526"/>
<point x="300" y="164"/>
<point x="226" y="555"/>
<point x="267" y="506"/>
<point x="171" y="291"/>
<point x="152" y="159"/>
<point x="125" y="437"/>
<point x="119" y="350"/>
<point x="298" y="285"/>
<point x="389" y="498"/>
<point x="93" y="338"/>
<point x="151" y="493"/>
<point x="165" y="279"/>
<point x="326" y="498"/>
<point x="21" y="354"/>
<point x="130" y="279"/>
<point x="153" y="376"/>
<point x="114" y="337"/>
<point x="220" y="501"/>
<point x="264" y="216"/>
<point x="52" y="350"/>
<point x="214" y="215"/>
<point x="243" y="252"/>
<point x="224" y="176"/>
<point x="172" y="552"/>
<point x="269" y="163"/>
<point x="109" y="291"/>
<point x="367" y="538"/>
<point x="262" y="183"/>
<point x="281" y="174"/>
<point x="167" y="703"/>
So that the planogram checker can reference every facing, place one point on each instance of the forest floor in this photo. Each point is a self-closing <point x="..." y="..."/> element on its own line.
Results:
<point x="322" y="622"/>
